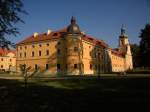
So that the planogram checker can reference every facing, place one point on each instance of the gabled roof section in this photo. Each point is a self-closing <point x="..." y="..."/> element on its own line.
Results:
<point x="117" y="52"/>
<point x="4" y="52"/>
<point x="95" y="41"/>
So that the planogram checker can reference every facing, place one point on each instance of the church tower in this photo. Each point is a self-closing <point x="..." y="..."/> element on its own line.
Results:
<point x="124" y="47"/>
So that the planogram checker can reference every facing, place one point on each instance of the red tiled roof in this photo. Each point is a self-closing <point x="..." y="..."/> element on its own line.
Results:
<point x="58" y="34"/>
<point x="43" y="37"/>
<point x="4" y="52"/>
<point x="95" y="41"/>
<point x="118" y="53"/>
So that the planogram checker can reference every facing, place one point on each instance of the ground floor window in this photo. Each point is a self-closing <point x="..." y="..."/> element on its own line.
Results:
<point x="10" y="66"/>
<point x="75" y="66"/>
<point x="91" y="66"/>
<point x="36" y="66"/>
<point x="47" y="66"/>
<point x="58" y="66"/>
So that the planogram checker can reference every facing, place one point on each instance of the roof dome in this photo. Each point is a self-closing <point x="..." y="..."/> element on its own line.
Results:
<point x="73" y="28"/>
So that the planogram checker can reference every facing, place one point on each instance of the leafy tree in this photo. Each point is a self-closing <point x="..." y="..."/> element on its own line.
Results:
<point x="135" y="49"/>
<point x="9" y="16"/>
<point x="25" y="73"/>
<point x="145" y="46"/>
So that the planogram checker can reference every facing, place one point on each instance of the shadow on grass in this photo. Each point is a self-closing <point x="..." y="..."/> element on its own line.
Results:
<point x="71" y="95"/>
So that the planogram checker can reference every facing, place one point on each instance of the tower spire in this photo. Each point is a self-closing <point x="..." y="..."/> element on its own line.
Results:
<point x="123" y="30"/>
<point x="73" y="20"/>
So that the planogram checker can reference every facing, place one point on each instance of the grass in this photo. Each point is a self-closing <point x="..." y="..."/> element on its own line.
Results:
<point x="76" y="94"/>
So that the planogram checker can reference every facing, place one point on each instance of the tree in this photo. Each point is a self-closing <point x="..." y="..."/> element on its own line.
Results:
<point x="135" y="49"/>
<point x="9" y="16"/>
<point x="25" y="73"/>
<point x="145" y="46"/>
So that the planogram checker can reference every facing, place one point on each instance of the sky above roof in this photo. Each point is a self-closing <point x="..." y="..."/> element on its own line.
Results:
<point x="98" y="18"/>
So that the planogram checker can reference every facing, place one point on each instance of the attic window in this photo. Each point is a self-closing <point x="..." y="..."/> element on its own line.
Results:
<point x="55" y="34"/>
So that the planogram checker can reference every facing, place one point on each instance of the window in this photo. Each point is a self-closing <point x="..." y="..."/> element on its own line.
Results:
<point x="58" y="66"/>
<point x="40" y="45"/>
<point x="58" y="43"/>
<point x="33" y="46"/>
<point x="25" y="47"/>
<point x="75" y="49"/>
<point x="39" y="53"/>
<point x="10" y="66"/>
<point x="95" y="55"/>
<point x="95" y="67"/>
<point x="20" y="55"/>
<point x="99" y="55"/>
<point x="47" y="44"/>
<point x="47" y="66"/>
<point x="55" y="34"/>
<point x="91" y="66"/>
<point x="10" y="60"/>
<point x="1" y="66"/>
<point x="58" y="51"/>
<point x="32" y="53"/>
<point x="75" y="66"/>
<point x="24" y="54"/>
<point x="47" y="52"/>
<point x="20" y="48"/>
<point x="36" y="66"/>
<point x="1" y="59"/>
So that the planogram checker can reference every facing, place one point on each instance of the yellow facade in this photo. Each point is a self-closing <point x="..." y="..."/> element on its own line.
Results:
<point x="8" y="62"/>
<point x="69" y="52"/>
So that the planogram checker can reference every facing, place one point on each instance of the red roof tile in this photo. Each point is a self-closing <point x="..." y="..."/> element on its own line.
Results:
<point x="4" y="52"/>
<point x="118" y="53"/>
<point x="58" y="34"/>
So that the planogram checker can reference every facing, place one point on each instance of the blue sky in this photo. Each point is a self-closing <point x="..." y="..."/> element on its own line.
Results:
<point x="99" y="18"/>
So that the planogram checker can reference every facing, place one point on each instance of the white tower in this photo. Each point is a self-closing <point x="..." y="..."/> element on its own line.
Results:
<point x="124" y="47"/>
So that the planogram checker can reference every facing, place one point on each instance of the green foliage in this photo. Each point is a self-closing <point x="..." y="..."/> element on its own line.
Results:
<point x="9" y="16"/>
<point x="135" y="49"/>
<point x="25" y="73"/>
<point x="145" y="46"/>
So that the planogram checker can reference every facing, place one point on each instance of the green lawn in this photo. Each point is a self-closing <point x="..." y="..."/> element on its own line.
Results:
<point x="72" y="95"/>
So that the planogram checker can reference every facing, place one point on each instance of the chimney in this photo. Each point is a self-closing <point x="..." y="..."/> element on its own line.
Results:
<point x="83" y="32"/>
<point x="48" y="32"/>
<point x="36" y="34"/>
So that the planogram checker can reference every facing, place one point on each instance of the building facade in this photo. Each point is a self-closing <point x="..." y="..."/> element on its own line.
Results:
<point x="70" y="51"/>
<point x="7" y="60"/>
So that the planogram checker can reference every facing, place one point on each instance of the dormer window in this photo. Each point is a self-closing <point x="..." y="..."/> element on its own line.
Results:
<point x="55" y="34"/>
